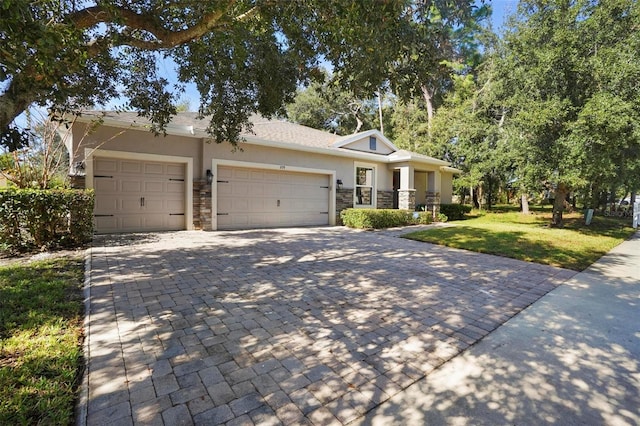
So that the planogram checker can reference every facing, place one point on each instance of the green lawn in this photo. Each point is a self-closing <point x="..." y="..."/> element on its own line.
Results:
<point x="41" y="315"/>
<point x="529" y="237"/>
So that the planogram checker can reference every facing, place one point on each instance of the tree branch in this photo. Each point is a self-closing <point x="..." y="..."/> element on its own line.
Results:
<point x="164" y="38"/>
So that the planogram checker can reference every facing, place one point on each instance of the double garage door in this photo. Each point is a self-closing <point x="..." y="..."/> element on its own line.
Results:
<point x="258" y="198"/>
<point x="139" y="196"/>
<point x="135" y="196"/>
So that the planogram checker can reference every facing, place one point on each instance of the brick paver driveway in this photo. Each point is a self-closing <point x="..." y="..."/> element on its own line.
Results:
<point x="296" y="326"/>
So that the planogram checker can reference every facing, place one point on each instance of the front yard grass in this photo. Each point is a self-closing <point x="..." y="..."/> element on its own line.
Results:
<point x="41" y="317"/>
<point x="528" y="237"/>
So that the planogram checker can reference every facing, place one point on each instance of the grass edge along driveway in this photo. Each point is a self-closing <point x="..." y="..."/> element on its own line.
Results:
<point x="41" y="332"/>
<point x="529" y="238"/>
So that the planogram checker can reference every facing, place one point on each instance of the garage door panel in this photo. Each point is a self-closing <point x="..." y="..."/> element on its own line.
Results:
<point x="130" y="167"/>
<point x="176" y="170"/>
<point x="130" y="222"/>
<point x="175" y="188"/>
<point x="139" y="195"/>
<point x="106" y="204"/>
<point x="105" y="185"/>
<point x="130" y="186"/>
<point x="154" y="204"/>
<point x="241" y="174"/>
<point x="175" y="206"/>
<point x="129" y="204"/>
<point x="151" y="186"/>
<point x="154" y="168"/>
<point x="253" y="198"/>
<point x="102" y="165"/>
<point x="106" y="222"/>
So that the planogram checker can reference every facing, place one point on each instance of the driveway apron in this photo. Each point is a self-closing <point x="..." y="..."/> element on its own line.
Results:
<point x="288" y="326"/>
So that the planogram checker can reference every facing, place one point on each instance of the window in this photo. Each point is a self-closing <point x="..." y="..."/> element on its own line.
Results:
<point x="365" y="186"/>
<point x="372" y="143"/>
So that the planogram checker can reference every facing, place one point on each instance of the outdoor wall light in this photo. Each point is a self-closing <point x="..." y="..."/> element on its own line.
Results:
<point x="339" y="183"/>
<point x="209" y="176"/>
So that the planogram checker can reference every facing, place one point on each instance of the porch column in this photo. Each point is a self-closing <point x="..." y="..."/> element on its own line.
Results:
<point x="407" y="192"/>
<point x="433" y="193"/>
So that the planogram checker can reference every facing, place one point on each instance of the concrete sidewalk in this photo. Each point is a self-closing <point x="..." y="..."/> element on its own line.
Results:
<point x="571" y="358"/>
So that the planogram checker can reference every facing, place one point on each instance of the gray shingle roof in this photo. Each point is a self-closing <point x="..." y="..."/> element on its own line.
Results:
<point x="266" y="131"/>
<point x="275" y="130"/>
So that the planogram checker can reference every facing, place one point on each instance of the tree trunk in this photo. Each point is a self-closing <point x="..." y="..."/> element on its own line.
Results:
<point x="428" y="100"/>
<point x="14" y="102"/>
<point x="380" y="112"/>
<point x="558" y="206"/>
<point x="524" y="201"/>
<point x="474" y="197"/>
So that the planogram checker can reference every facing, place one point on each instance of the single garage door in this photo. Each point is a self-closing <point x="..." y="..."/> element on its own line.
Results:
<point x="256" y="198"/>
<point x="138" y="196"/>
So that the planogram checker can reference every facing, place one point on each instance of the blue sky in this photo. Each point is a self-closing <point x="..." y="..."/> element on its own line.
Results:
<point x="501" y="9"/>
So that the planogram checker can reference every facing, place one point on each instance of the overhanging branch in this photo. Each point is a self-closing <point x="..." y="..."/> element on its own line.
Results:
<point x="164" y="38"/>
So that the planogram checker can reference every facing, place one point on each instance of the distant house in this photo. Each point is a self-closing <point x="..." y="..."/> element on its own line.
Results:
<point x="284" y="175"/>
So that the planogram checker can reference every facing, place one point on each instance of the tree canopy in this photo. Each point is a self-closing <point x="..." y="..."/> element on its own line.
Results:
<point x="244" y="56"/>
<point x="571" y="67"/>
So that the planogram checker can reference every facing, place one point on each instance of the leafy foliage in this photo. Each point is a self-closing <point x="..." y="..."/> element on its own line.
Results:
<point x="454" y="211"/>
<point x="327" y="106"/>
<point x="37" y="219"/>
<point x="383" y="218"/>
<point x="42" y="163"/>
<point x="570" y="68"/>
<point x="244" y="56"/>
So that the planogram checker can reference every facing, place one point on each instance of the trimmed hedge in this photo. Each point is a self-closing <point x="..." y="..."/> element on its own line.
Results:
<point x="454" y="211"/>
<point x="383" y="218"/>
<point x="45" y="219"/>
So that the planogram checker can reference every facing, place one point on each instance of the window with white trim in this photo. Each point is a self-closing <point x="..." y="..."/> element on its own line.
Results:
<point x="365" y="186"/>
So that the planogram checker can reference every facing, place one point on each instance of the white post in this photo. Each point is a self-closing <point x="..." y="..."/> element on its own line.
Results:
<point x="636" y="214"/>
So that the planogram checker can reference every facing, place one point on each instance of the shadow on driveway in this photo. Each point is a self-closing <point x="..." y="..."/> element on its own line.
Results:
<point x="289" y="326"/>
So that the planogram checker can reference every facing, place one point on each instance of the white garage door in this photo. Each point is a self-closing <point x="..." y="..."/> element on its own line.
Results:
<point x="257" y="198"/>
<point x="135" y="196"/>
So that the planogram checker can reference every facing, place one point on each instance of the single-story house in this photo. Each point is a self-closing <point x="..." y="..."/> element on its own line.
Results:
<point x="282" y="174"/>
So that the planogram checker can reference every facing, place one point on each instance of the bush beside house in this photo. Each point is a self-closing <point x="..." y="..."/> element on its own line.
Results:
<point x="45" y="219"/>
<point x="383" y="218"/>
<point x="454" y="211"/>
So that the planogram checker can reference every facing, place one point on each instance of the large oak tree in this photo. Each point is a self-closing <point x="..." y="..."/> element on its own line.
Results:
<point x="244" y="56"/>
<point x="572" y="67"/>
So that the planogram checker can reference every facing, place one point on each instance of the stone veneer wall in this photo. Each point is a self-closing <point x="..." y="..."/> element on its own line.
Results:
<point x="407" y="199"/>
<point x="77" y="181"/>
<point x="433" y="203"/>
<point x="384" y="199"/>
<point x="202" y="205"/>
<point x="344" y="200"/>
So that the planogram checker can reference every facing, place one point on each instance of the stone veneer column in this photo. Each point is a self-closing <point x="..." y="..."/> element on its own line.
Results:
<point x="384" y="199"/>
<point x="433" y="203"/>
<point x="202" y="205"/>
<point x="77" y="181"/>
<point x="344" y="200"/>
<point x="407" y="199"/>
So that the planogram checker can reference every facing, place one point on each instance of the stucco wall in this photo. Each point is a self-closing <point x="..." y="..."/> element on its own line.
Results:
<point x="134" y="140"/>
<point x="363" y="145"/>
<point x="420" y="183"/>
<point x="344" y="166"/>
<point x="202" y="152"/>
<point x="446" y="193"/>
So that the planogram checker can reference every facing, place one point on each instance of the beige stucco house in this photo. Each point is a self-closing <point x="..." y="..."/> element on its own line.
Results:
<point x="282" y="174"/>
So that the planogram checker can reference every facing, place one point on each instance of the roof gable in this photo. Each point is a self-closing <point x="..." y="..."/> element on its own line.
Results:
<point x="371" y="141"/>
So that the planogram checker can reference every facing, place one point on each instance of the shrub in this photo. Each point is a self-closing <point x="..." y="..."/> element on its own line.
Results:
<point x="442" y="217"/>
<point x="382" y="218"/>
<point x="45" y="219"/>
<point x="454" y="211"/>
